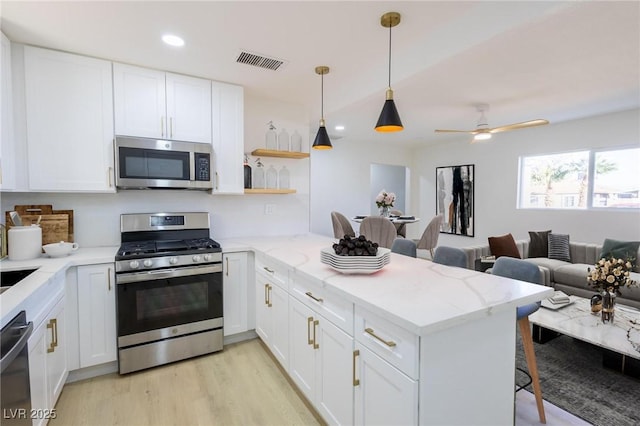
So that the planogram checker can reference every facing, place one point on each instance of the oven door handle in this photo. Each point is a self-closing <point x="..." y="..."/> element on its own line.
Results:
<point x="167" y="273"/>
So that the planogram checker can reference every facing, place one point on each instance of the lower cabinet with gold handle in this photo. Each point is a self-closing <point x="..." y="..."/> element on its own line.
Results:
<point x="272" y="315"/>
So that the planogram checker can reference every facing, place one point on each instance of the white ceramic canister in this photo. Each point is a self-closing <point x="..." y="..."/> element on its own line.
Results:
<point x="25" y="242"/>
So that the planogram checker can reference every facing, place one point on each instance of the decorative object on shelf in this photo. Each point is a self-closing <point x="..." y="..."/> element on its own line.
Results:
<point x="322" y="140"/>
<point x="454" y="198"/>
<point x="258" y="175"/>
<point x="607" y="276"/>
<point x="247" y="172"/>
<point x="385" y="201"/>
<point x="284" y="178"/>
<point x="283" y="140"/>
<point x="271" y="137"/>
<point x="272" y="178"/>
<point x="389" y="120"/>
<point x="296" y="142"/>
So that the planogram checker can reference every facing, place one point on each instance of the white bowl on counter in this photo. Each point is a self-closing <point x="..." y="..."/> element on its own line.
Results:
<point x="60" y="249"/>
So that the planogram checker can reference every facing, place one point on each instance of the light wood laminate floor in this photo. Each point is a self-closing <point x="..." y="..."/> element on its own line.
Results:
<point x="242" y="385"/>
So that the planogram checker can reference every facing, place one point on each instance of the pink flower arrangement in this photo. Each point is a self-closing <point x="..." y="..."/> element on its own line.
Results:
<point x="385" y="199"/>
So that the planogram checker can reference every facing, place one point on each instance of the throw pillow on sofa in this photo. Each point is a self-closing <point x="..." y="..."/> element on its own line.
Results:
<point x="539" y="243"/>
<point x="504" y="245"/>
<point x="559" y="247"/>
<point x="627" y="250"/>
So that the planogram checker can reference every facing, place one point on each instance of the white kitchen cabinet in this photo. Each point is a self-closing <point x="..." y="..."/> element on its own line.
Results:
<point x="69" y="121"/>
<point x="156" y="104"/>
<point x="228" y="137"/>
<point x="96" y="314"/>
<point x="7" y="142"/>
<point x="272" y="312"/>
<point x="321" y="363"/>
<point x="47" y="361"/>
<point x="235" y="292"/>
<point x="383" y="394"/>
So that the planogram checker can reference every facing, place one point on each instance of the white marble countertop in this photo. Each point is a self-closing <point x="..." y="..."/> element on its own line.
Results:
<point x="12" y="299"/>
<point x="417" y="294"/>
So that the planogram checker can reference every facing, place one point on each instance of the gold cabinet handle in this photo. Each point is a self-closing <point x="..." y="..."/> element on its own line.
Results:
<point x="55" y="332"/>
<point x="109" y="279"/>
<point x="52" y="345"/>
<point x="315" y="344"/>
<point x="266" y="294"/>
<point x="269" y="295"/>
<point x="389" y="343"/>
<point x="356" y="382"/>
<point x="268" y="270"/>
<point x="227" y="259"/>
<point x="309" y="339"/>
<point x="317" y="299"/>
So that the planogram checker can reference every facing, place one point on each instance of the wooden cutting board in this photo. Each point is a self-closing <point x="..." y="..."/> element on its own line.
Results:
<point x="55" y="227"/>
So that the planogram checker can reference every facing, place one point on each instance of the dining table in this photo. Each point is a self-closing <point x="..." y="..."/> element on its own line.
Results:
<point x="398" y="221"/>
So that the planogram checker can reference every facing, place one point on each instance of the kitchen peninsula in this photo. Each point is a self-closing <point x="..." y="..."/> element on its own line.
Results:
<point x="416" y="342"/>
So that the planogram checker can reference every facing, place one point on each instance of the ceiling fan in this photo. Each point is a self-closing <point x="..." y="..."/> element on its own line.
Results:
<point x="484" y="132"/>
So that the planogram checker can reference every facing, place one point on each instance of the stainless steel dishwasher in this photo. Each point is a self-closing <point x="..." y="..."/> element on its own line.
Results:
<point x="15" y="387"/>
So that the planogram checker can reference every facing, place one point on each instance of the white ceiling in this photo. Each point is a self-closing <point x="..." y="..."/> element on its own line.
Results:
<point x="538" y="59"/>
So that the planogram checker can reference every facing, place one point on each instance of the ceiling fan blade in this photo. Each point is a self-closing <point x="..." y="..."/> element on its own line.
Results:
<point x="523" y="125"/>
<point x="454" y="131"/>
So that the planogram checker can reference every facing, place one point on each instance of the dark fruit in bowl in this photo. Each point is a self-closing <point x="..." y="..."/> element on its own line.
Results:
<point x="355" y="246"/>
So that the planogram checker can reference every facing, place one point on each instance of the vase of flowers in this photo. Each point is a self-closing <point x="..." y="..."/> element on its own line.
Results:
<point x="385" y="201"/>
<point x="607" y="277"/>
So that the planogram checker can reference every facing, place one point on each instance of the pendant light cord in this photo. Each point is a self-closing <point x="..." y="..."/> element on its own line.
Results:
<point x="389" y="56"/>
<point x="322" y="96"/>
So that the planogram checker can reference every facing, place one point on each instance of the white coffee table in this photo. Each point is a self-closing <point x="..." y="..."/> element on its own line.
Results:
<point x="620" y="339"/>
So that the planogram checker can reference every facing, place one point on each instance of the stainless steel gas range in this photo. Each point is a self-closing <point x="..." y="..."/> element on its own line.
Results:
<point x="169" y="289"/>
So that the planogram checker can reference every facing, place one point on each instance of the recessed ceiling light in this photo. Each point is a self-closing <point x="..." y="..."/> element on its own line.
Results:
<point x="339" y="127"/>
<point x="173" y="40"/>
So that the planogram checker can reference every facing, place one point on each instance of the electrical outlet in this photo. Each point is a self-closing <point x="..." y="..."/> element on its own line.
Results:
<point x="269" y="209"/>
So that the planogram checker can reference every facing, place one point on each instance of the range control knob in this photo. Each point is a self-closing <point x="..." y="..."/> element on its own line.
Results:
<point x="134" y="264"/>
<point x="173" y="260"/>
<point x="196" y="258"/>
<point x="147" y="263"/>
<point x="207" y="257"/>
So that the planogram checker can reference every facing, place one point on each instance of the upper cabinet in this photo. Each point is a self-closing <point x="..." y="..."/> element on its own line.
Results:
<point x="228" y="138"/>
<point x="69" y="125"/>
<point x="7" y="145"/>
<point x="156" y="104"/>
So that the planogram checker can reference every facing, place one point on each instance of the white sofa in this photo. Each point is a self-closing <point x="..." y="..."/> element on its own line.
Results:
<point x="569" y="277"/>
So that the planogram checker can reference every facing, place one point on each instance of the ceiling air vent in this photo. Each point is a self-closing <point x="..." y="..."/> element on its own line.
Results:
<point x="260" y="61"/>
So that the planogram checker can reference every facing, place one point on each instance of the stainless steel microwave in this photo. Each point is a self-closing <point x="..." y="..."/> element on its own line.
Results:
<point x="153" y="163"/>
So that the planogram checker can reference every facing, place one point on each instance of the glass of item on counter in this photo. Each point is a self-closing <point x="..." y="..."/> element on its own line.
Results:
<point x="247" y="172"/>
<point x="283" y="178"/>
<point x="283" y="140"/>
<point x="272" y="178"/>
<point x="296" y="142"/>
<point x="258" y="175"/>
<point x="271" y="137"/>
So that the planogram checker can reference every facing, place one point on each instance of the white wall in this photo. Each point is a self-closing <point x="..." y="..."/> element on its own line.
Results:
<point x="496" y="180"/>
<point x="97" y="216"/>
<point x="340" y="180"/>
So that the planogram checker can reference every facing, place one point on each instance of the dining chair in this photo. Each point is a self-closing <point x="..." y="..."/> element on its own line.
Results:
<point x="401" y="228"/>
<point x="379" y="230"/>
<point x="341" y="225"/>
<point x="522" y="270"/>
<point x="429" y="238"/>
<point x="404" y="246"/>
<point x="451" y="256"/>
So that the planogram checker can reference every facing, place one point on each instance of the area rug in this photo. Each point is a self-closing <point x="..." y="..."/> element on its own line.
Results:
<point x="572" y="378"/>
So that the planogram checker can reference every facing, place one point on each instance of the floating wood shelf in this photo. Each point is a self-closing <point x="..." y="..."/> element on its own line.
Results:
<point x="269" y="191"/>
<point x="281" y="154"/>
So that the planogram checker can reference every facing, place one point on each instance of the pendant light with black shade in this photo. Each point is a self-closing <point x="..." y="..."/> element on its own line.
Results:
<point x="389" y="120"/>
<point x="322" y="138"/>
